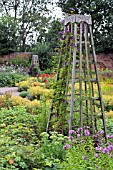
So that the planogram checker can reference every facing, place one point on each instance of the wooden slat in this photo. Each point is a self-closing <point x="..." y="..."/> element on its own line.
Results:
<point x="99" y="89"/>
<point x="88" y="73"/>
<point x="73" y="77"/>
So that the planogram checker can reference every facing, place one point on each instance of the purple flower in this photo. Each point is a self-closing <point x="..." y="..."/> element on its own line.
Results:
<point x="83" y="157"/>
<point x="67" y="31"/>
<point x="63" y="38"/>
<point x="98" y="148"/>
<point x="109" y="148"/>
<point x="82" y="141"/>
<point x="109" y="137"/>
<point x="71" y="132"/>
<point x="100" y="132"/>
<point x="71" y="37"/>
<point x="78" y="135"/>
<point x="86" y="127"/>
<point x="86" y="132"/>
<point x="110" y="155"/>
<point x="71" y="138"/>
<point x="75" y="45"/>
<point x="66" y="146"/>
<point x="61" y="32"/>
<point x="104" y="150"/>
<point x="62" y="21"/>
<point x="80" y="129"/>
<point x="71" y="9"/>
<point x="96" y="155"/>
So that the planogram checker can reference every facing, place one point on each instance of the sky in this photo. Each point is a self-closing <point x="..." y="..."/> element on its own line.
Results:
<point x="57" y="11"/>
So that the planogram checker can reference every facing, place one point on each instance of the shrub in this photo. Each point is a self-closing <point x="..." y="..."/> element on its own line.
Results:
<point x="21" y="60"/>
<point x="23" y="94"/>
<point x="87" y="152"/>
<point x="34" y="70"/>
<point x="24" y="85"/>
<point x="10" y="79"/>
<point x="18" y="139"/>
<point x="2" y="102"/>
<point x="18" y="135"/>
<point x="39" y="91"/>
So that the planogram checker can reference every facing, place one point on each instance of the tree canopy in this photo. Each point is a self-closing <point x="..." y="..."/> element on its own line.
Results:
<point x="31" y="16"/>
<point x="7" y="33"/>
<point x="101" y="12"/>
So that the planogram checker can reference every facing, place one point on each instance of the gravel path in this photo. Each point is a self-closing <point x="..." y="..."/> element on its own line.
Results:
<point x="13" y="90"/>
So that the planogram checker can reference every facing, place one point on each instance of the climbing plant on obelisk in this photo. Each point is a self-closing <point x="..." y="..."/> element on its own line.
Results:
<point x="77" y="100"/>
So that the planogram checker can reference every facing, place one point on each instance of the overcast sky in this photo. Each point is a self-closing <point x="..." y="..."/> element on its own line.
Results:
<point x="57" y="11"/>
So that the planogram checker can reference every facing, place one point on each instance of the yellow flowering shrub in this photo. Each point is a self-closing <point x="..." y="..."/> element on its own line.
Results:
<point x="2" y="102"/>
<point x="19" y="101"/>
<point x="35" y="91"/>
<point x="109" y="114"/>
<point x="32" y="82"/>
<point x="33" y="104"/>
<point x="24" y="85"/>
<point x="47" y="93"/>
<point x="39" y="91"/>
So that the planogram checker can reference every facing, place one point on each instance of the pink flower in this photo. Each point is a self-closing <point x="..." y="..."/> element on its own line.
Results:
<point x="104" y="150"/>
<point x="78" y="135"/>
<point x="86" y="132"/>
<point x="110" y="155"/>
<point x="100" y="132"/>
<point x="66" y="146"/>
<point x="80" y="129"/>
<point x="62" y="21"/>
<point x="71" y="132"/>
<point x="96" y="155"/>
<point x="71" y="138"/>
<point x="98" y="148"/>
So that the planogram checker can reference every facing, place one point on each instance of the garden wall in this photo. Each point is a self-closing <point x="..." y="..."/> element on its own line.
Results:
<point x="6" y="58"/>
<point x="104" y="60"/>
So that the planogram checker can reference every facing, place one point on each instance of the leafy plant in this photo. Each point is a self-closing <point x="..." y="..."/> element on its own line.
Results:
<point x="23" y="94"/>
<point x="18" y="138"/>
<point x="33" y="70"/>
<point x="21" y="61"/>
<point x="10" y="79"/>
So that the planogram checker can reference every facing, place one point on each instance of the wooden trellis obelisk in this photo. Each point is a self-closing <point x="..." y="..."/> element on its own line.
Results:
<point x="85" y="98"/>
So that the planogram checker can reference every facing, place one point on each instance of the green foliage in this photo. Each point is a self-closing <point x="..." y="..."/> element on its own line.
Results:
<point x="51" y="37"/>
<point x="23" y="94"/>
<point x="101" y="12"/>
<point x="34" y="70"/>
<point x="60" y="104"/>
<point x="31" y="17"/>
<point x="20" y="61"/>
<point x="22" y="147"/>
<point x="10" y="79"/>
<point x="74" y="159"/>
<point x="18" y="137"/>
<point x="7" y="31"/>
<point x="44" y="57"/>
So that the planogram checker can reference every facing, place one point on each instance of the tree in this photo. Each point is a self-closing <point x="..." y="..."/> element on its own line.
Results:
<point x="51" y="37"/>
<point x="30" y="15"/>
<point x="7" y="30"/>
<point x="101" y="12"/>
